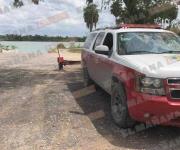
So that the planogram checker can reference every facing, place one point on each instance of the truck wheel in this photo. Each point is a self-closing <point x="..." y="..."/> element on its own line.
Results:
<point x="119" y="108"/>
<point x="87" y="79"/>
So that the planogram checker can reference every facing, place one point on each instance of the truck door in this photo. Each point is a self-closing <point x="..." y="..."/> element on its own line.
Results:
<point x="88" y="54"/>
<point x="105" y="65"/>
<point x="94" y="60"/>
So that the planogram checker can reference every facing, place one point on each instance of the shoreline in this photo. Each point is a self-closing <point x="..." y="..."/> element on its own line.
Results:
<point x="40" y="46"/>
<point x="8" y="51"/>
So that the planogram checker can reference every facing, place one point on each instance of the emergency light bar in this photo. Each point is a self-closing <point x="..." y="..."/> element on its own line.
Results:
<point x="125" y="26"/>
<point x="151" y="26"/>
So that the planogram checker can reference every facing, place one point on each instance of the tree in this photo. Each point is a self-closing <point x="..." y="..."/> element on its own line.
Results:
<point x="36" y="1"/>
<point x="91" y="16"/>
<point x="142" y="11"/>
<point x="89" y="1"/>
<point x="18" y="3"/>
<point x="117" y="10"/>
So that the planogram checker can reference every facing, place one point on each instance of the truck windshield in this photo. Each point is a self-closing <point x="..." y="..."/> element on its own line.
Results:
<point x="133" y="43"/>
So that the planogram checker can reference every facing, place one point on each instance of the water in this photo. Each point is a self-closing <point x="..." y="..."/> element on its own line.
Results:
<point x="38" y="46"/>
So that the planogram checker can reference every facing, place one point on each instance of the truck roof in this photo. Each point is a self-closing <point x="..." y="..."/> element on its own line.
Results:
<point x="133" y="28"/>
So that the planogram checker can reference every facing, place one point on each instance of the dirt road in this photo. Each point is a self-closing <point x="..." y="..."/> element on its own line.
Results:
<point x="42" y="108"/>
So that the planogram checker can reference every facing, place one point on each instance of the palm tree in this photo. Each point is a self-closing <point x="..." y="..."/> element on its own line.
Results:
<point x="91" y="16"/>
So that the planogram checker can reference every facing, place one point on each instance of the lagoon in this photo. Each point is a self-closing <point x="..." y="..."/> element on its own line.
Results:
<point x="29" y="46"/>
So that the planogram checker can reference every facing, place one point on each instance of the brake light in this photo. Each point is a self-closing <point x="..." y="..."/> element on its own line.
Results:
<point x="151" y="26"/>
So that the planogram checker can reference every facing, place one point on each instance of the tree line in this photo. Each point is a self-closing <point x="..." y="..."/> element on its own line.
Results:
<point x="132" y="11"/>
<point x="11" y="37"/>
<point x="126" y="11"/>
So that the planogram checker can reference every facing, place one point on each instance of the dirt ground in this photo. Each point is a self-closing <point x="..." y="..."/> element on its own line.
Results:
<point x="42" y="108"/>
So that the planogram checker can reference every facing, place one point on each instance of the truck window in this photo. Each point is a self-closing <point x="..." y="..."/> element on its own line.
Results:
<point x="99" y="39"/>
<point x="89" y="40"/>
<point x="109" y="41"/>
<point x="148" y="43"/>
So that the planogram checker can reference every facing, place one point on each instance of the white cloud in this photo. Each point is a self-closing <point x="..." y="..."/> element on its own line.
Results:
<point x="24" y="20"/>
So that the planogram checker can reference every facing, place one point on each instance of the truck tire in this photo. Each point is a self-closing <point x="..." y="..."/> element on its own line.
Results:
<point x="119" y="108"/>
<point x="86" y="77"/>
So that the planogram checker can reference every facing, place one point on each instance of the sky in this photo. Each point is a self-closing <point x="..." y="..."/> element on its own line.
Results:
<point x="50" y="17"/>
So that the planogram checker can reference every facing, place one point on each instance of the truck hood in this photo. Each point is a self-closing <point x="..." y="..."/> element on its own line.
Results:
<point x="154" y="65"/>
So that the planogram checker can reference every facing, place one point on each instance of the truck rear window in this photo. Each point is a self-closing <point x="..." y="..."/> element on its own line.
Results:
<point x="89" y="40"/>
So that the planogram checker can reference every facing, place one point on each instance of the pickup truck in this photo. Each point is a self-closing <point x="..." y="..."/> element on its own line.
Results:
<point x="139" y="66"/>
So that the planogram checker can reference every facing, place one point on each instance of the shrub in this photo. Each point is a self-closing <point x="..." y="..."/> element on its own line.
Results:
<point x="60" y="46"/>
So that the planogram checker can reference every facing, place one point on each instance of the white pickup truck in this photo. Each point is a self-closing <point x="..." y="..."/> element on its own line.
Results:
<point x="139" y="66"/>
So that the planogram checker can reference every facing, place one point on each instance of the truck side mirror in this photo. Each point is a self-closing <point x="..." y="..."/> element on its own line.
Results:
<point x="102" y="49"/>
